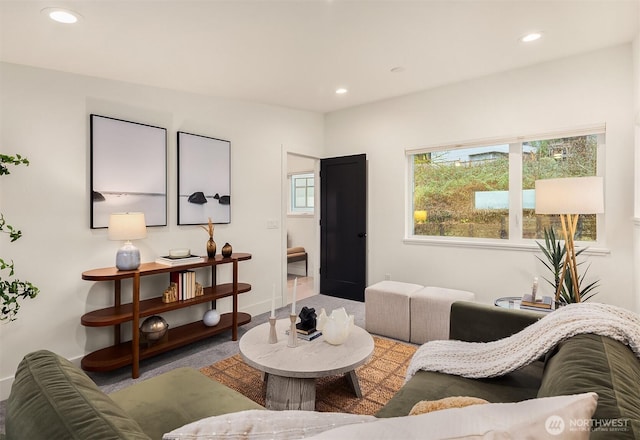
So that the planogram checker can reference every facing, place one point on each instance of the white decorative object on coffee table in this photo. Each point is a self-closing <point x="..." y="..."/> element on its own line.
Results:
<point x="291" y="372"/>
<point x="335" y="327"/>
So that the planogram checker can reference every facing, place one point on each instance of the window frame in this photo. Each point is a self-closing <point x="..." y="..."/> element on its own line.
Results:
<point x="292" y="193"/>
<point x="515" y="240"/>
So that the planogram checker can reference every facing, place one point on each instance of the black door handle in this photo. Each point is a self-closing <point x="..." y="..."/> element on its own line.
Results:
<point x="362" y="234"/>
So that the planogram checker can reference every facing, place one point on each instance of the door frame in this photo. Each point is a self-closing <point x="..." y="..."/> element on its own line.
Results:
<point x="313" y="254"/>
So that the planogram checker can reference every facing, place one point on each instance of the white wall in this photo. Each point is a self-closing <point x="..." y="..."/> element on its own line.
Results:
<point x="572" y="92"/>
<point x="45" y="116"/>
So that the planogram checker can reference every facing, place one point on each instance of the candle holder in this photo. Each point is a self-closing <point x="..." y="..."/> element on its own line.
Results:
<point x="273" y="337"/>
<point x="293" y="333"/>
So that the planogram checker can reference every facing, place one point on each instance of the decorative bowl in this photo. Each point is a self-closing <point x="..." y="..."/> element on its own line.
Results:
<point x="179" y="253"/>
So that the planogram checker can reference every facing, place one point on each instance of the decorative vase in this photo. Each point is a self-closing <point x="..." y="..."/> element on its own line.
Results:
<point x="226" y="250"/>
<point x="336" y="327"/>
<point x="211" y="318"/>
<point x="154" y="328"/>
<point x="211" y="248"/>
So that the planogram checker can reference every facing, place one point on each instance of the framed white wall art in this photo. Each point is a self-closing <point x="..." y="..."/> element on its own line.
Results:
<point x="128" y="170"/>
<point x="204" y="179"/>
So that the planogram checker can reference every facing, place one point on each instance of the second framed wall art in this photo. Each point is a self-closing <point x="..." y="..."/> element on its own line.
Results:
<point x="204" y="179"/>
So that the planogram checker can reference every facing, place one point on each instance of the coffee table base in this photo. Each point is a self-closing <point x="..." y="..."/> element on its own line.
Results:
<point x="296" y="393"/>
<point x="290" y="393"/>
<point x="353" y="381"/>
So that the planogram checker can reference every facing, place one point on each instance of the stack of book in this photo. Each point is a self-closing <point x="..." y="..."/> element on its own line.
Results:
<point x="185" y="284"/>
<point x="544" y="304"/>
<point x="168" y="260"/>
<point x="307" y="335"/>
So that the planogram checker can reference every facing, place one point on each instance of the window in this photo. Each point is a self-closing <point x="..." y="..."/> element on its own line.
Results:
<point x="462" y="192"/>
<point x="553" y="158"/>
<point x="486" y="190"/>
<point x="302" y="192"/>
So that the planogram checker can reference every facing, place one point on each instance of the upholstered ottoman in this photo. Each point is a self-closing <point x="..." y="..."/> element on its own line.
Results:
<point x="386" y="307"/>
<point x="430" y="309"/>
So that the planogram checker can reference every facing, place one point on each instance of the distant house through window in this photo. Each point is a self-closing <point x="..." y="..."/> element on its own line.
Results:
<point x="302" y="193"/>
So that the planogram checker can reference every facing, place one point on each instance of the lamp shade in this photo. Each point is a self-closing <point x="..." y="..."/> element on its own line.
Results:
<point x="571" y="195"/>
<point x="127" y="226"/>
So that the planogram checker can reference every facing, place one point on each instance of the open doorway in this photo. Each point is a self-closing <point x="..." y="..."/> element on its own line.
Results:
<point x="301" y="225"/>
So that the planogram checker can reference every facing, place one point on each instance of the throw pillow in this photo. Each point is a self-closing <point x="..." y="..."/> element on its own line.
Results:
<point x="550" y="418"/>
<point x="264" y="424"/>
<point x="427" y="406"/>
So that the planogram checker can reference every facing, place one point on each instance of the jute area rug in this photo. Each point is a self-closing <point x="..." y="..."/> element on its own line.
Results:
<point x="380" y="379"/>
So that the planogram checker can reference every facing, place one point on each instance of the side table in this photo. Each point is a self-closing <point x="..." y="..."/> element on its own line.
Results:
<point x="513" y="302"/>
<point x="508" y="302"/>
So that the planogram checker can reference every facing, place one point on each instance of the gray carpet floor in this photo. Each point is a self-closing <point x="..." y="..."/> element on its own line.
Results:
<point x="209" y="351"/>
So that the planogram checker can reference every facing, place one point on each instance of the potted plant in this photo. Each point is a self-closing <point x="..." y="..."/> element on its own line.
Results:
<point x="554" y="255"/>
<point x="12" y="290"/>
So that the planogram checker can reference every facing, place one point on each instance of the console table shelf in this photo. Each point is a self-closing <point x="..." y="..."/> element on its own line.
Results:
<point x="123" y="313"/>
<point x="130" y="352"/>
<point x="117" y="356"/>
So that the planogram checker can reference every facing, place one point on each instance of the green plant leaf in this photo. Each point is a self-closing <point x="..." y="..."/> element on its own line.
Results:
<point x="12" y="290"/>
<point x="554" y="253"/>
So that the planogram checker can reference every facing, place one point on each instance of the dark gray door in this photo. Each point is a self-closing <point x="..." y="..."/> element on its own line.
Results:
<point x="343" y="226"/>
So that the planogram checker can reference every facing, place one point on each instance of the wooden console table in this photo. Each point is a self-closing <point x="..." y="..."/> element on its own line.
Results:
<point x="131" y="352"/>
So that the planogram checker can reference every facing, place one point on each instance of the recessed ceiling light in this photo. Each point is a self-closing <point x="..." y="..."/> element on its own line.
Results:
<point x="533" y="36"/>
<point x="341" y="91"/>
<point x="61" y="15"/>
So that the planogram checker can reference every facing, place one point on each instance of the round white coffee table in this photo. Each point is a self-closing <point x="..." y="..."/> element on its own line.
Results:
<point x="290" y="372"/>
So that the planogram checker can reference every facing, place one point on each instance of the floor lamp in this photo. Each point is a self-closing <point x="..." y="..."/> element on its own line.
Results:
<point x="569" y="197"/>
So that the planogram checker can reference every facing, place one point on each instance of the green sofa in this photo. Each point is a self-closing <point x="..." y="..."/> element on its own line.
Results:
<point x="53" y="399"/>
<point x="580" y="364"/>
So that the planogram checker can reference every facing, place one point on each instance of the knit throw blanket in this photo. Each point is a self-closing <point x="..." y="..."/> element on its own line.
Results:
<point x="496" y="358"/>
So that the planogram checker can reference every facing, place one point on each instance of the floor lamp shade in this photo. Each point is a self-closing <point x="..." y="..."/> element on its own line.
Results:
<point x="571" y="195"/>
<point x="127" y="226"/>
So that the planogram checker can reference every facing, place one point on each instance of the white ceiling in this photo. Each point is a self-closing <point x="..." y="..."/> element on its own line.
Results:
<point x="296" y="53"/>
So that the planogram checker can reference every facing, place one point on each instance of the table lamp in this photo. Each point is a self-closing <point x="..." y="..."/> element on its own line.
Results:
<point x="569" y="197"/>
<point x="127" y="226"/>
